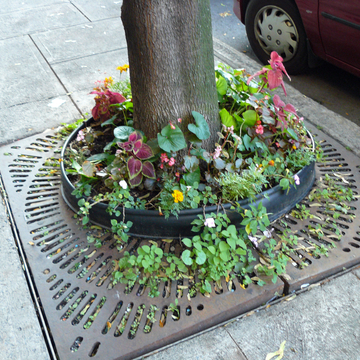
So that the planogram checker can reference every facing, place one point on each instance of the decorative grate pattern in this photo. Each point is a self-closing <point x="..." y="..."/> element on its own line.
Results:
<point x="90" y="318"/>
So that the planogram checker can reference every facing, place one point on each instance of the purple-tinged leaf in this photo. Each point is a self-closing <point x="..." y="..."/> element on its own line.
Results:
<point x="290" y="108"/>
<point x="135" y="136"/>
<point x="136" y="181"/>
<point x="127" y="145"/>
<point x="134" y="167"/>
<point x="142" y="151"/>
<point x="148" y="170"/>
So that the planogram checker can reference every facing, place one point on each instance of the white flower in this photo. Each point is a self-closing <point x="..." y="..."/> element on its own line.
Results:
<point x="210" y="222"/>
<point x="188" y="188"/>
<point x="267" y="233"/>
<point x="253" y="239"/>
<point x="297" y="180"/>
<point x="123" y="184"/>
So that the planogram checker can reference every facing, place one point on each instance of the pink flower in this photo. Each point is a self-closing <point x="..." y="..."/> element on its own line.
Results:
<point x="172" y="126"/>
<point x="161" y="166"/>
<point x="164" y="158"/>
<point x="179" y="120"/>
<point x="259" y="129"/>
<point x="171" y="161"/>
<point x="217" y="152"/>
<point x="210" y="222"/>
<point x="177" y="174"/>
<point x="80" y="136"/>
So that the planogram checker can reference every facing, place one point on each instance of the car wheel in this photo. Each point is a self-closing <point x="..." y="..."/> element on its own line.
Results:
<point x="276" y="25"/>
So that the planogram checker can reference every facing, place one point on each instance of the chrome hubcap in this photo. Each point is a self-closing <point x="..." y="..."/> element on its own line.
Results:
<point x="276" y="31"/>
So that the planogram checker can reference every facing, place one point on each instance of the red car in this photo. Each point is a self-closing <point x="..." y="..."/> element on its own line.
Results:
<point x="301" y="31"/>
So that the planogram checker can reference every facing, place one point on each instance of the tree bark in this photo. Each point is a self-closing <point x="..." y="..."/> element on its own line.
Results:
<point x="171" y="61"/>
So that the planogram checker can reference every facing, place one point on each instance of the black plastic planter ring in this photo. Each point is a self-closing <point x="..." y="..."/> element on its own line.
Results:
<point x="149" y="223"/>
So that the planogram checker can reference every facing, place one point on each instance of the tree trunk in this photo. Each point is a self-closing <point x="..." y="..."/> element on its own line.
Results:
<point x="171" y="63"/>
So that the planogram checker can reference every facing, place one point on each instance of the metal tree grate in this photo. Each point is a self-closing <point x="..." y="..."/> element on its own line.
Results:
<point x="88" y="317"/>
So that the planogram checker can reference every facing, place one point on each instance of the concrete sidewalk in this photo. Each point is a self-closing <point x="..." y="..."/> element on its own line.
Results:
<point x="51" y="53"/>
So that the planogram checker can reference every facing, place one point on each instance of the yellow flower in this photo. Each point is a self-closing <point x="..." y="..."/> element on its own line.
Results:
<point x="109" y="80"/>
<point x="178" y="196"/>
<point x="294" y="147"/>
<point x="122" y="68"/>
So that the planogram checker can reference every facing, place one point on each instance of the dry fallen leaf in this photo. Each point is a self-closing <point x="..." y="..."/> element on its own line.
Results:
<point x="280" y="352"/>
<point x="224" y="14"/>
<point x="31" y="243"/>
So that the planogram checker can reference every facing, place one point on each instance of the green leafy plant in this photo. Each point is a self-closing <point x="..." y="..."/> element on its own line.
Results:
<point x="262" y="142"/>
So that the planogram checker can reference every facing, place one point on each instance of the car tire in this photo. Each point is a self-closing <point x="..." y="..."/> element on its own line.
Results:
<point x="276" y="25"/>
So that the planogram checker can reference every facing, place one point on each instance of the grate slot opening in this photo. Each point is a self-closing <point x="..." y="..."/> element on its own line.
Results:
<point x="112" y="318"/>
<point x="67" y="299"/>
<point x="95" y="313"/>
<point x="61" y="291"/>
<point x="124" y="320"/>
<point x="84" y="310"/>
<point x="74" y="306"/>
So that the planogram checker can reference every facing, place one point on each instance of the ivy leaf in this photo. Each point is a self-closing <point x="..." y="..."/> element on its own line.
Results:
<point x="201" y="129"/>
<point x="186" y="257"/>
<point x="226" y="118"/>
<point x="284" y="183"/>
<point x="219" y="164"/>
<point x="123" y="132"/>
<point x="241" y="243"/>
<point x="292" y="133"/>
<point x="250" y="117"/>
<point x="247" y="142"/>
<point x="109" y="122"/>
<point x="223" y="246"/>
<point x="221" y="86"/>
<point x="212" y="249"/>
<point x="200" y="257"/>
<point x="206" y="286"/>
<point x="232" y="231"/>
<point x="159" y="252"/>
<point x="98" y="157"/>
<point x="191" y="162"/>
<point x="231" y="242"/>
<point x="240" y="251"/>
<point x="224" y="256"/>
<point x="187" y="242"/>
<point x="171" y="140"/>
<point x="76" y="166"/>
<point x="193" y="177"/>
<point x="145" y="264"/>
